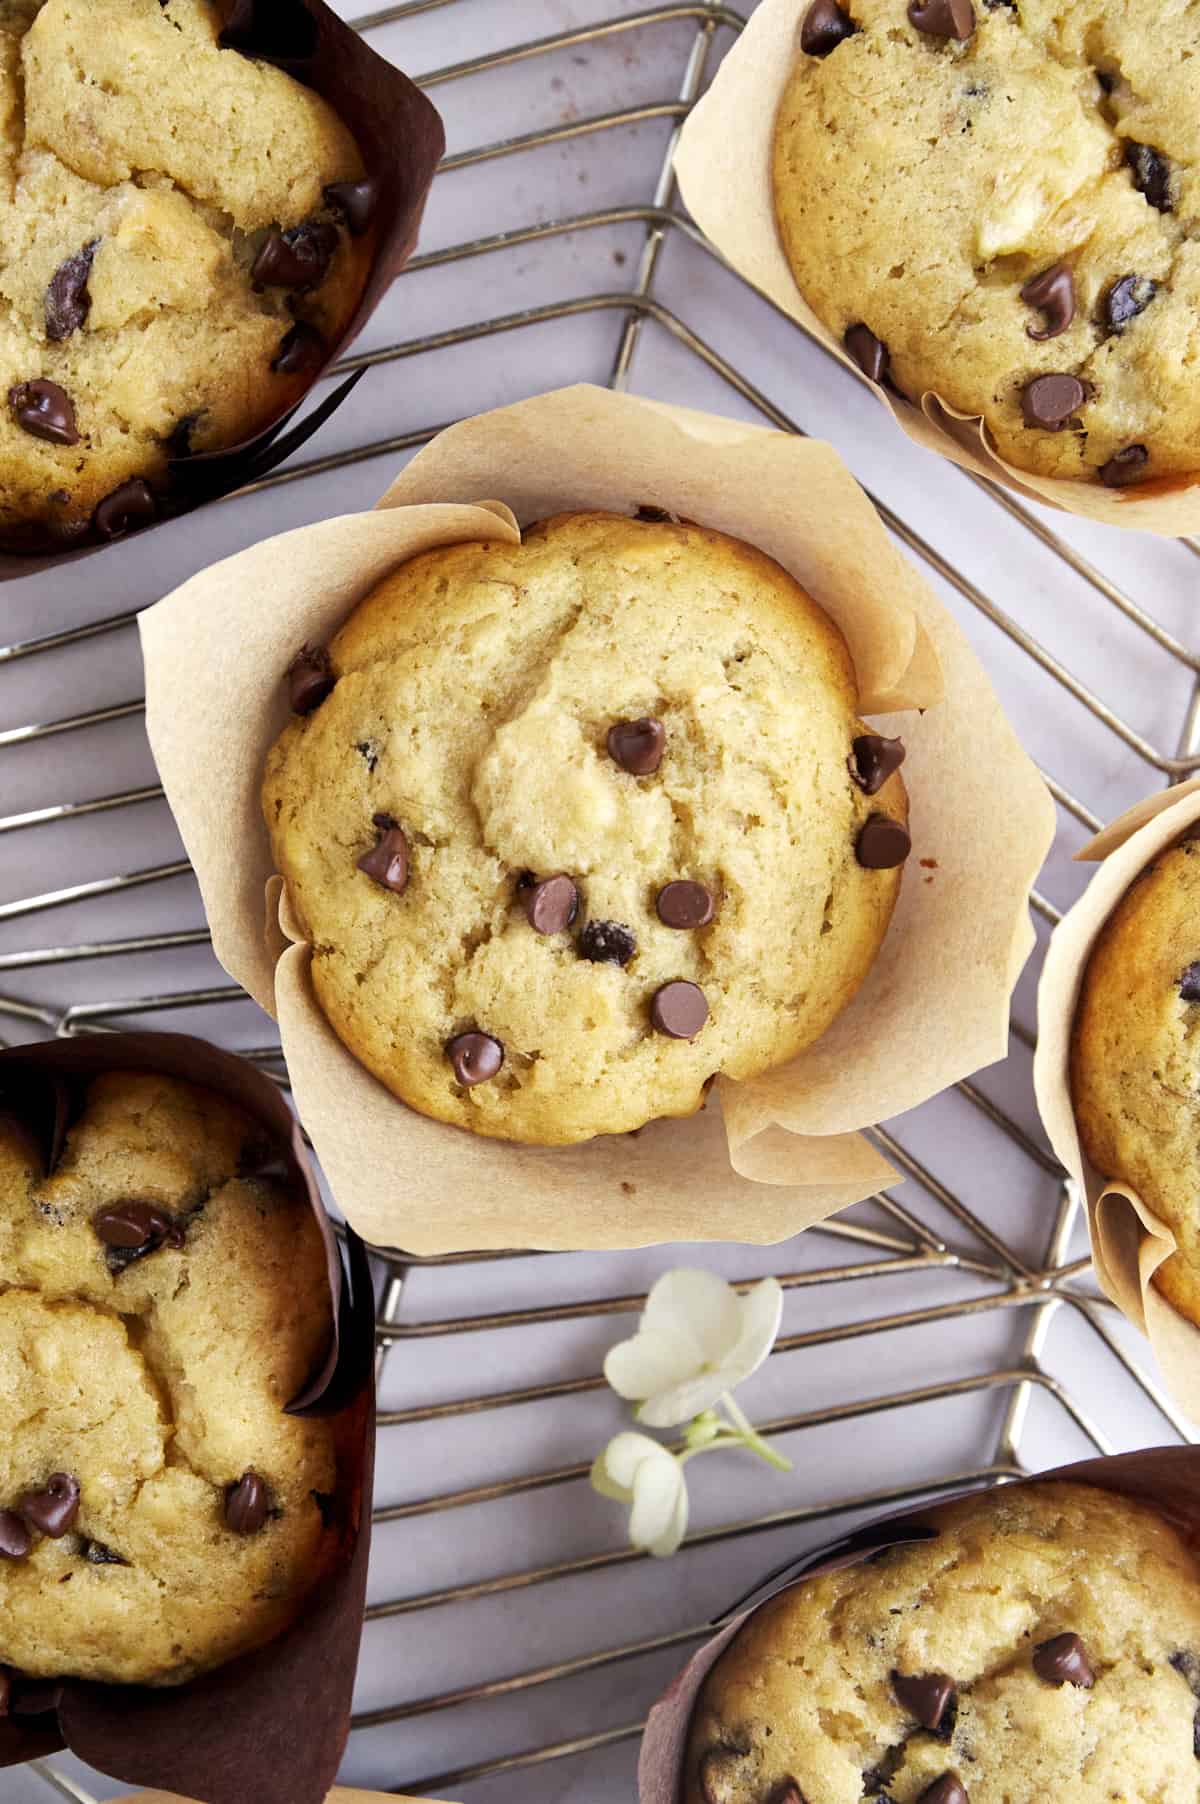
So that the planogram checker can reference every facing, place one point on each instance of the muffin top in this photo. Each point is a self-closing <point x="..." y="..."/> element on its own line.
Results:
<point x="172" y="258"/>
<point x="574" y="826"/>
<point x="159" y="1308"/>
<point x="1135" y="1056"/>
<point x="995" y="202"/>
<point x="1045" y="1645"/>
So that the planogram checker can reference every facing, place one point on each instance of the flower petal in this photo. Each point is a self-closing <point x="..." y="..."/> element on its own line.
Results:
<point x="656" y="1488"/>
<point x="624" y="1454"/>
<point x="761" y="1310"/>
<point x="668" y="1542"/>
<point x="600" y="1481"/>
<point x="683" y="1401"/>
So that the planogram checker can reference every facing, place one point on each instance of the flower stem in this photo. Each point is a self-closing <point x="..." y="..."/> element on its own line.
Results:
<point x="715" y="1446"/>
<point x="750" y="1437"/>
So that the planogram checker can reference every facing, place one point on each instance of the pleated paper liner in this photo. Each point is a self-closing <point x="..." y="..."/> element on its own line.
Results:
<point x="766" y="1157"/>
<point x="272" y="1724"/>
<point x="723" y="163"/>
<point x="400" y="137"/>
<point x="1129" y="1242"/>
<point x="1165" y="1479"/>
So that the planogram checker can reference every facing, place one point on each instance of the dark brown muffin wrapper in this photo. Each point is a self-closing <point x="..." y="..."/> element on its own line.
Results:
<point x="235" y="1732"/>
<point x="1165" y="1479"/>
<point x="400" y="136"/>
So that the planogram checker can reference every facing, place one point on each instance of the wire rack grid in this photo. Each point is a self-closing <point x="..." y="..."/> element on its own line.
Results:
<point x="948" y="1332"/>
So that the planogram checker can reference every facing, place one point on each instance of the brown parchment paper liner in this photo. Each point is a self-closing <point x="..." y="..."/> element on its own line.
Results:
<point x="723" y="163"/>
<point x="767" y="1157"/>
<point x="1167" y="1479"/>
<point x="272" y="1724"/>
<point x="1129" y="1242"/>
<point x="400" y="136"/>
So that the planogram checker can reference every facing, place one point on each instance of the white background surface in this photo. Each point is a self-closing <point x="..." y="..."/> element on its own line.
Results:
<point x="429" y="1651"/>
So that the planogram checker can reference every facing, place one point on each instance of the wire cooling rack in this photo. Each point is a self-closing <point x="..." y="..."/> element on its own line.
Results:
<point x="945" y="1333"/>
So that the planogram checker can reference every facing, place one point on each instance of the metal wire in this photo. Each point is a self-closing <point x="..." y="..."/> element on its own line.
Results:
<point x="898" y="1240"/>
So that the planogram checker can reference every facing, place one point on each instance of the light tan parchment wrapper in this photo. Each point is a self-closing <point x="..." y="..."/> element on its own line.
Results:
<point x="340" y="1794"/>
<point x="765" y="1158"/>
<point x="1129" y="1242"/>
<point x="723" y="163"/>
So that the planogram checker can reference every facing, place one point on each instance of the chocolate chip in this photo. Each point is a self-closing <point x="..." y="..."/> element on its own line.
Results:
<point x="310" y="678"/>
<point x="299" y="258"/>
<point x="607" y="943"/>
<point x="873" y="760"/>
<point x="1151" y="175"/>
<point x="475" y="1057"/>
<point x="1196" y="1735"/>
<point x="1053" y="292"/>
<point x="825" y="27"/>
<point x="15" y="1538"/>
<point x="943" y="18"/>
<point x="685" y="904"/>
<point x="97" y="1554"/>
<point x="551" y="904"/>
<point x="369" y="752"/>
<point x="882" y="843"/>
<point x="637" y="745"/>
<point x="927" y="1696"/>
<point x="656" y="515"/>
<point x="786" y="1792"/>
<point x="45" y="410"/>
<point x="128" y="507"/>
<point x="1063" y="1661"/>
<point x="1189" y="984"/>
<point x="949" y="1789"/>
<point x="179" y="439"/>
<point x="869" y="353"/>
<point x="1050" y="401"/>
<point x="132" y="1230"/>
<point x="679" y="1010"/>
<point x="387" y="861"/>
<point x="1125" y="300"/>
<point x="719" y="1773"/>
<point x="67" y="301"/>
<point x="355" y="201"/>
<point x="52" y="1510"/>
<point x="1126" y="468"/>
<point x="301" y="352"/>
<point x="247" y="1504"/>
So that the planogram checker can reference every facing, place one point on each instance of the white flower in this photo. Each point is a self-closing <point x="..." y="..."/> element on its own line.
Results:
<point x="635" y="1470"/>
<point x="697" y="1339"/>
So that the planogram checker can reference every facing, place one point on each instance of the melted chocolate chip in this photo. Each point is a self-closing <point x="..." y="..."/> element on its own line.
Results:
<point x="355" y="201"/>
<point x="718" y="1772"/>
<point x="657" y="516"/>
<point x="943" y="18"/>
<point x="685" y="904"/>
<point x="869" y="353"/>
<point x="786" y="1792"/>
<point x="1053" y="293"/>
<point x="1126" y="468"/>
<point x="52" y="1510"/>
<point x="637" y="745"/>
<point x="825" y="27"/>
<point x="301" y="352"/>
<point x="68" y="302"/>
<point x="1049" y="402"/>
<point x="1151" y="175"/>
<point x="607" y="943"/>
<point x="15" y="1538"/>
<point x="44" y="410"/>
<point x="128" y="507"/>
<point x="551" y="904"/>
<point x="679" y="1010"/>
<point x="948" y="1789"/>
<point x="1125" y="300"/>
<point x="927" y="1696"/>
<point x="1196" y="1735"/>
<point x="882" y="843"/>
<point x="247" y="1504"/>
<point x="873" y="760"/>
<point x="310" y="678"/>
<point x="1189" y="984"/>
<point x="475" y="1057"/>
<point x="299" y="258"/>
<point x="179" y="439"/>
<point x="1063" y="1660"/>
<point x="130" y="1231"/>
<point x="387" y="861"/>
<point x="97" y="1554"/>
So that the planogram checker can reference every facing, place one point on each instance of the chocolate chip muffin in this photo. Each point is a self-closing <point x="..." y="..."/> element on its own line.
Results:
<point x="1046" y="1644"/>
<point x="994" y="202"/>
<point x="182" y="231"/>
<point x="162" y="1299"/>
<point x="1135" y="1056"/>
<point x="576" y="824"/>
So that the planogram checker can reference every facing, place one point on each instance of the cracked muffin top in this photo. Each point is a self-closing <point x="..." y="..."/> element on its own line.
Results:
<point x="994" y="200"/>
<point x="159" y="1307"/>
<point x="180" y="237"/>
<point x="1044" y="1645"/>
<point x="575" y="824"/>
